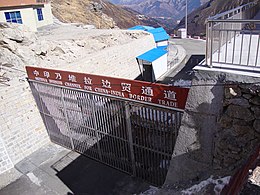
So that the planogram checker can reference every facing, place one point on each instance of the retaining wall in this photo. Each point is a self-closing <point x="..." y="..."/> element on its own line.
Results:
<point x="22" y="130"/>
<point x="220" y="128"/>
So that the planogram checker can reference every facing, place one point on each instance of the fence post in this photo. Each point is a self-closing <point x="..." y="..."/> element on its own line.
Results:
<point x="67" y="119"/>
<point x="209" y="44"/>
<point x="129" y="136"/>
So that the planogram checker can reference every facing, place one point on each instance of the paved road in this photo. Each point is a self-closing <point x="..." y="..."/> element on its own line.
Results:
<point x="195" y="52"/>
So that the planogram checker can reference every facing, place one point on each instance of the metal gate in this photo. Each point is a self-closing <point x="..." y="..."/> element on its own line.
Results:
<point x="135" y="138"/>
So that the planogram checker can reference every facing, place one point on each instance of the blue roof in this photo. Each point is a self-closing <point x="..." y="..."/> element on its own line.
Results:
<point x="163" y="47"/>
<point x="156" y="30"/>
<point x="145" y="28"/>
<point x="159" y="34"/>
<point x="152" y="55"/>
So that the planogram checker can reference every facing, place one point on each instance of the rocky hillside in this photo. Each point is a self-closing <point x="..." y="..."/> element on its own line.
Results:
<point x="70" y="46"/>
<point x="101" y="14"/>
<point x="196" y="19"/>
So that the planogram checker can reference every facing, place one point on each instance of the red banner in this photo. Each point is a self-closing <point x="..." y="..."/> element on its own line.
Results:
<point x="169" y="96"/>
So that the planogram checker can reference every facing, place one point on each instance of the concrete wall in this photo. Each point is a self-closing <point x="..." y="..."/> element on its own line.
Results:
<point x="47" y="16"/>
<point x="117" y="61"/>
<point x="30" y="18"/>
<point x="162" y="43"/>
<point x="22" y="130"/>
<point x="203" y="146"/>
<point x="160" y="66"/>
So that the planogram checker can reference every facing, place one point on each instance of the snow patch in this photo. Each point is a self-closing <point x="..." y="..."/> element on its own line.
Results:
<point x="34" y="179"/>
<point x="182" y="83"/>
<point x="219" y="185"/>
<point x="151" y="191"/>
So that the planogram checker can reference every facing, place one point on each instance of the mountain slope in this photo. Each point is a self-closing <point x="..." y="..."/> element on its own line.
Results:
<point x="100" y="13"/>
<point x="161" y="8"/>
<point x="196" y="19"/>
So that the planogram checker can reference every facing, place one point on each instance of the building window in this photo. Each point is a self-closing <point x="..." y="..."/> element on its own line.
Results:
<point x="39" y="14"/>
<point x="13" y="17"/>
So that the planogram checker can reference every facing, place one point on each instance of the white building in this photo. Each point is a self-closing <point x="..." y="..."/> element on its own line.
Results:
<point x="161" y="37"/>
<point x="31" y="13"/>
<point x="153" y="64"/>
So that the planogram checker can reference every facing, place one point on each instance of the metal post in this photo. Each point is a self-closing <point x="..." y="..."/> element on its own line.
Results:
<point x="186" y="19"/>
<point x="207" y="43"/>
<point x="66" y="118"/>
<point x="130" y="138"/>
<point x="211" y="44"/>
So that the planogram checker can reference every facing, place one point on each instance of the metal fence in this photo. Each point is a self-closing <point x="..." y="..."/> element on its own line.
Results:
<point x="233" y="38"/>
<point x="137" y="139"/>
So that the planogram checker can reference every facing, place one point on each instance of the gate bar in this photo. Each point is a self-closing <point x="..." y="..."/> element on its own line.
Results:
<point x="130" y="137"/>
<point x="67" y="119"/>
<point x="96" y="129"/>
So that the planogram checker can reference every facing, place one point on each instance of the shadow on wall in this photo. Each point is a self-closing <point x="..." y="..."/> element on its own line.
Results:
<point x="192" y="158"/>
<point x="86" y="176"/>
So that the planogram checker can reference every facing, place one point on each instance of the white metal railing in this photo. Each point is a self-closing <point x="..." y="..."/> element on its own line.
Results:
<point x="233" y="38"/>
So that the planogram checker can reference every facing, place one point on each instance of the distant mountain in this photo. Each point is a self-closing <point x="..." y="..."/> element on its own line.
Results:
<point x="174" y="9"/>
<point x="102" y="14"/>
<point x="196" y="19"/>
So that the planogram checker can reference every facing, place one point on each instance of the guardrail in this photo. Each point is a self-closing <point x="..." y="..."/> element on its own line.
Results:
<point x="233" y="38"/>
<point x="239" y="179"/>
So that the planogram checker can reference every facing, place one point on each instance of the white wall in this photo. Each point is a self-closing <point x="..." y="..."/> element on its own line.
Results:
<point x="47" y="16"/>
<point x="30" y="18"/>
<point x="162" y="43"/>
<point x="27" y="14"/>
<point x="160" y="66"/>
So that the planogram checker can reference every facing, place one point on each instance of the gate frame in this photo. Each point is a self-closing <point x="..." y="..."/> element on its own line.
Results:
<point x="126" y="102"/>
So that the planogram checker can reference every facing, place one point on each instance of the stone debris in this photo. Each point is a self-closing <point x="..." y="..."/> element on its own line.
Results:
<point x="210" y="186"/>
<point x="255" y="176"/>
<point x="57" y="47"/>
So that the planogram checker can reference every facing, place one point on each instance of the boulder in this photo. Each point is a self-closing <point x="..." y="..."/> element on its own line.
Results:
<point x="241" y="130"/>
<point x="240" y="112"/>
<point x="255" y="100"/>
<point x="256" y="110"/>
<point x="257" y="125"/>
<point x="232" y="92"/>
<point x="239" y="101"/>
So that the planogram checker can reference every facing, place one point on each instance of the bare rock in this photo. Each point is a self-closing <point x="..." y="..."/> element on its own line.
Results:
<point x="256" y="110"/>
<point x="58" y="51"/>
<point x="13" y="34"/>
<point x="88" y="27"/>
<point x="80" y="43"/>
<point x="257" y="125"/>
<point x="9" y="44"/>
<point x="247" y="96"/>
<point x="41" y="48"/>
<point x="241" y="122"/>
<point x="250" y="89"/>
<point x="255" y="100"/>
<point x="240" y="112"/>
<point x="226" y="121"/>
<point x="7" y="58"/>
<point x="239" y="101"/>
<point x="232" y="92"/>
<point x="241" y="130"/>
